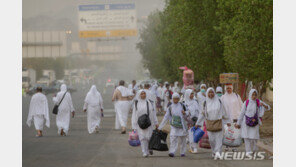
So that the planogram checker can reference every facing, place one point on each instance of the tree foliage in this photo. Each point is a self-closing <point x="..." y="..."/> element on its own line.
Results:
<point x="210" y="37"/>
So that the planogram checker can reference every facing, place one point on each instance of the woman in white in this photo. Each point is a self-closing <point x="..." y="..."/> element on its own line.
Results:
<point x="176" y="109"/>
<point x="176" y="88"/>
<point x="193" y="112"/>
<point x="250" y="134"/>
<point x="140" y="109"/>
<point x="201" y="95"/>
<point x="93" y="104"/>
<point x="213" y="109"/>
<point x="65" y="109"/>
<point x="38" y="112"/>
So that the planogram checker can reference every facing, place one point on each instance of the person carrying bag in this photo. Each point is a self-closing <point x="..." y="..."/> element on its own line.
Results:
<point x="56" y="107"/>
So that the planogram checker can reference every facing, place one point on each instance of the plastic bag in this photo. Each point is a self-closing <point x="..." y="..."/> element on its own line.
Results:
<point x="133" y="139"/>
<point x="197" y="134"/>
<point x="158" y="141"/>
<point x="204" y="141"/>
<point x="232" y="136"/>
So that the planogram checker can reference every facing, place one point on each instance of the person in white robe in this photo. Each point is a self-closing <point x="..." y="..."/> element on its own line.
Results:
<point x="139" y="110"/>
<point x="213" y="109"/>
<point x="64" y="111"/>
<point x="219" y="91"/>
<point x="193" y="112"/>
<point x="233" y="103"/>
<point x="93" y="105"/>
<point x="201" y="95"/>
<point x="176" y="88"/>
<point x="122" y="97"/>
<point x="248" y="133"/>
<point x="166" y="97"/>
<point x="38" y="112"/>
<point x="176" y="109"/>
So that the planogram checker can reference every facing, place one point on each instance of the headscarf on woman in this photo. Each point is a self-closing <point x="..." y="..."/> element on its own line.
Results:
<point x="93" y="97"/>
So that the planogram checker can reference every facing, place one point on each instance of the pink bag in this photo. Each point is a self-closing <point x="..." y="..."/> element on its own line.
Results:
<point x="188" y="77"/>
<point x="204" y="141"/>
<point x="133" y="139"/>
<point x="133" y="135"/>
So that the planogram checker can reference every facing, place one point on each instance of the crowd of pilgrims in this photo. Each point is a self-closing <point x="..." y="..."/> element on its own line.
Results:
<point x="159" y="98"/>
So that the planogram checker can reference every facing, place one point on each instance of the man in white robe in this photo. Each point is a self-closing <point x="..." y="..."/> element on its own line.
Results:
<point x="233" y="103"/>
<point x="122" y="97"/>
<point x="139" y="110"/>
<point x="213" y="110"/>
<point x="176" y="110"/>
<point x="64" y="111"/>
<point x="38" y="112"/>
<point x="93" y="105"/>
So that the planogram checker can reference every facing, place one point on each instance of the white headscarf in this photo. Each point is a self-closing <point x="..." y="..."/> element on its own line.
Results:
<point x="251" y="93"/>
<point x="188" y="101"/>
<point x="228" y="86"/>
<point x="176" y="95"/>
<point x="93" y="96"/>
<point x="139" y="95"/>
<point x="214" y="103"/>
<point x="203" y="85"/>
<point x="63" y="88"/>
<point x="219" y="89"/>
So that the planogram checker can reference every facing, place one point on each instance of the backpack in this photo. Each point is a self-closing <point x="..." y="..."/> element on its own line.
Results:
<point x="144" y="120"/>
<point x="252" y="121"/>
<point x="176" y="120"/>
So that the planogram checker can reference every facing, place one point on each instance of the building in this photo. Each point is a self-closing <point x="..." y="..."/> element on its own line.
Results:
<point x="44" y="44"/>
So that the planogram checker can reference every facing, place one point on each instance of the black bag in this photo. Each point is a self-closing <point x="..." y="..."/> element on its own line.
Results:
<point x="158" y="141"/>
<point x="144" y="120"/>
<point x="56" y="107"/>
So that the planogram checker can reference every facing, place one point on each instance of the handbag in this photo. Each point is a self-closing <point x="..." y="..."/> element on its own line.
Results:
<point x="56" y="107"/>
<point x="176" y="121"/>
<point x="144" y="120"/>
<point x="213" y="125"/>
<point x="253" y="121"/>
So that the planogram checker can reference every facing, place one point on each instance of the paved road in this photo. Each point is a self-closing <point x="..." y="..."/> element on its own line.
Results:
<point x="106" y="149"/>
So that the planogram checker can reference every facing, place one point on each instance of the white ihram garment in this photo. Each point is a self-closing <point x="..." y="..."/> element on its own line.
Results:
<point x="93" y="103"/>
<point x="250" y="134"/>
<point x="38" y="111"/>
<point x="233" y="104"/>
<point x="144" y="134"/>
<point x="194" y="110"/>
<point x="176" y="133"/>
<point x="65" y="109"/>
<point x="214" y="110"/>
<point x="122" y="107"/>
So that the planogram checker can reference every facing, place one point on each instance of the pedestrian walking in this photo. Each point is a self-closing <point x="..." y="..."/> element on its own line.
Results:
<point x="213" y="112"/>
<point x="201" y="95"/>
<point x="193" y="111"/>
<point x="93" y="105"/>
<point x="122" y="97"/>
<point x="142" y="107"/>
<point x="233" y="104"/>
<point x="219" y="91"/>
<point x="38" y="112"/>
<point x="64" y="111"/>
<point x="249" y="121"/>
<point x="176" y="114"/>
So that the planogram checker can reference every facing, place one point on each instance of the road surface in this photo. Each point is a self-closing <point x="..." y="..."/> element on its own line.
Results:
<point x="107" y="149"/>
